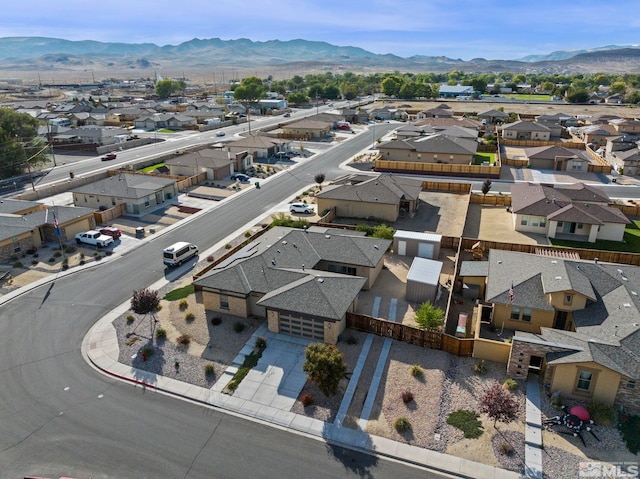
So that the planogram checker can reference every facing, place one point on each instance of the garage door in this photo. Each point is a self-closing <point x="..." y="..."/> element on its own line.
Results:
<point x="302" y="327"/>
<point x="425" y="250"/>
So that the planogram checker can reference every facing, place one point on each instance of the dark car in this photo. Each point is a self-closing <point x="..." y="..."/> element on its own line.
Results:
<point x="112" y="231"/>
<point x="109" y="156"/>
<point x="287" y="115"/>
<point x="241" y="177"/>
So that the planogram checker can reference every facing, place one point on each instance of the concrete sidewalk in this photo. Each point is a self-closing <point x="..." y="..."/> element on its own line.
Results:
<point x="267" y="395"/>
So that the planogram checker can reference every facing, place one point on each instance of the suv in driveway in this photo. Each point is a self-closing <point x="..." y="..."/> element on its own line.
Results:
<point x="112" y="231"/>
<point x="301" y="208"/>
<point x="241" y="177"/>
<point x="94" y="238"/>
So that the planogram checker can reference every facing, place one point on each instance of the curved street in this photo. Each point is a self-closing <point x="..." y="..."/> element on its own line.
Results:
<point x="58" y="416"/>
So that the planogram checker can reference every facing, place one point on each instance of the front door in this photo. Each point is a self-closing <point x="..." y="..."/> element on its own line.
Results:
<point x="569" y="228"/>
<point x="402" y="248"/>
<point x="561" y="320"/>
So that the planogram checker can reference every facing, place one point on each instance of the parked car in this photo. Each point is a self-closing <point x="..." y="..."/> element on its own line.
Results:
<point x="301" y="208"/>
<point x="220" y="133"/>
<point x="241" y="177"/>
<point x="94" y="238"/>
<point x="287" y="115"/>
<point x="109" y="156"/>
<point x="112" y="231"/>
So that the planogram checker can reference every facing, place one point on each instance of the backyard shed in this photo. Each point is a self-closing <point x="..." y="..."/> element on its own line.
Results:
<point x="423" y="280"/>
<point x="414" y="243"/>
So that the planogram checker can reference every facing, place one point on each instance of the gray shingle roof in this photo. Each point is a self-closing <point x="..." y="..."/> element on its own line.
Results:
<point x="125" y="186"/>
<point x="384" y="189"/>
<point x="521" y="125"/>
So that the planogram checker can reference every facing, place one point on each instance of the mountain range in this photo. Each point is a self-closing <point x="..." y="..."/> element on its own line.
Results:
<point x="52" y="54"/>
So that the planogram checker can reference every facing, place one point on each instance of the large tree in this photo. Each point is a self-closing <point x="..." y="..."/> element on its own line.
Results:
<point x="164" y="88"/>
<point x="325" y="367"/>
<point x="20" y="147"/>
<point x="249" y="91"/>
<point x="498" y="403"/>
<point x="429" y="317"/>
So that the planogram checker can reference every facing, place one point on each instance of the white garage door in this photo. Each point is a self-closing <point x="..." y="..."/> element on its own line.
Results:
<point x="425" y="250"/>
<point x="302" y="327"/>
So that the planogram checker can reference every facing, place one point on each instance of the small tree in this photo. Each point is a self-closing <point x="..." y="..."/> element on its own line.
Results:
<point x="145" y="301"/>
<point x="325" y="367"/>
<point x="383" y="232"/>
<point x="429" y="317"/>
<point x="498" y="403"/>
<point x="486" y="187"/>
<point x="319" y="179"/>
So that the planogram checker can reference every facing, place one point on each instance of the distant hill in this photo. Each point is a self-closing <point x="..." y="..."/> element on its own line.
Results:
<point x="42" y="54"/>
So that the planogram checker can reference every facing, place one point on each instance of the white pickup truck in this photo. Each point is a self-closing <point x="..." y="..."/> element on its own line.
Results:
<point x="94" y="238"/>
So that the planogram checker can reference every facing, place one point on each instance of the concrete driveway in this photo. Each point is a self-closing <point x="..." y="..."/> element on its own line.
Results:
<point x="494" y="223"/>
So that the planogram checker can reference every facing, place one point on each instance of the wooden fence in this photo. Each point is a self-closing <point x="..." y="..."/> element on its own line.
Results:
<point x="586" y="254"/>
<point x="409" y="334"/>
<point x="567" y="144"/>
<point x="446" y="186"/>
<point x="479" y="171"/>
<point x="106" y="216"/>
<point x="490" y="200"/>
<point x="628" y="210"/>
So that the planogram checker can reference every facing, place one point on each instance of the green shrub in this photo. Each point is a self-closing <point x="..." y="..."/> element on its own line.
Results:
<point x="57" y="254"/>
<point x="159" y="307"/>
<point x="228" y="246"/>
<point x="506" y="449"/>
<point x="601" y="413"/>
<point x="184" y="304"/>
<point x="479" y="367"/>
<point x="238" y="327"/>
<point x="416" y="371"/>
<point x="510" y="384"/>
<point x="556" y="402"/>
<point x="148" y="351"/>
<point x="17" y="264"/>
<point x="183" y="340"/>
<point x="216" y="320"/>
<point x="209" y="369"/>
<point x="407" y="397"/>
<point x="402" y="424"/>
<point x="247" y="234"/>
<point x="366" y="228"/>
<point x="189" y="316"/>
<point x="161" y="333"/>
<point x="467" y="421"/>
<point x="130" y="318"/>
<point x="52" y="260"/>
<point x="629" y="427"/>
<point x="34" y="262"/>
<point x="261" y="343"/>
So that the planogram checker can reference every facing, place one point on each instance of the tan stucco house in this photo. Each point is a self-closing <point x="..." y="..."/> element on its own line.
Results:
<point x="303" y="281"/>
<point x="578" y="212"/>
<point x="576" y="323"/>
<point x="438" y="148"/>
<point x="383" y="197"/>
<point x="525" y="130"/>
<point x="140" y="193"/>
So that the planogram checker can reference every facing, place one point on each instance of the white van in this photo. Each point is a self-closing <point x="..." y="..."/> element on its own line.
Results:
<point x="178" y="253"/>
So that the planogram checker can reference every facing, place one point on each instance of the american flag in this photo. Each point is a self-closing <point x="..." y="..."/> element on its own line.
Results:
<point x="511" y="293"/>
<point x="56" y="224"/>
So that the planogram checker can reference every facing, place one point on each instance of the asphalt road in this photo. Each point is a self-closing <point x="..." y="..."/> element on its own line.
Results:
<point x="59" y="417"/>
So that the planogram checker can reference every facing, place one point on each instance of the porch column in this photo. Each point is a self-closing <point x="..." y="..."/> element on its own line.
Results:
<point x="593" y="233"/>
<point x="551" y="233"/>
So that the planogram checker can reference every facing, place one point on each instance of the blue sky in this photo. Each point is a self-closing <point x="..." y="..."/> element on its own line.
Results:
<point x="466" y="29"/>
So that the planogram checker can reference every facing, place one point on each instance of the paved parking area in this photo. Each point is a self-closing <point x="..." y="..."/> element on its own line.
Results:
<point x="495" y="223"/>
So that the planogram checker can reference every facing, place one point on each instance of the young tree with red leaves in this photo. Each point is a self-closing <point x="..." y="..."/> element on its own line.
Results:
<point x="498" y="403"/>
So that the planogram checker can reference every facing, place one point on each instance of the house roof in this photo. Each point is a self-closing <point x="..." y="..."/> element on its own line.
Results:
<point x="280" y="265"/>
<point x="438" y="143"/>
<point x="521" y="125"/>
<point x="311" y="124"/>
<point x="553" y="152"/>
<point x="207" y="158"/>
<point x="532" y="278"/>
<point x="474" y="268"/>
<point x="493" y="114"/>
<point x="15" y="224"/>
<point x="257" y="141"/>
<point x="383" y="189"/>
<point x="578" y="203"/>
<point x="125" y="185"/>
<point x="446" y="122"/>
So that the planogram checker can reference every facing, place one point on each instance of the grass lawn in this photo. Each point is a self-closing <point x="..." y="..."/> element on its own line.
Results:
<point x="179" y="293"/>
<point x="479" y="158"/>
<point x="150" y="168"/>
<point x="631" y="242"/>
<point x="165" y="130"/>
<point x="524" y="96"/>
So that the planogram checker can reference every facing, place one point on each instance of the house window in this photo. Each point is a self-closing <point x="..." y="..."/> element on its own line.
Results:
<point x="526" y="314"/>
<point x="113" y="201"/>
<point x="568" y="298"/>
<point x="584" y="381"/>
<point x="580" y="226"/>
<point x="339" y="268"/>
<point x="534" y="221"/>
<point x="224" y="301"/>
<point x="576" y="165"/>
<point x="524" y="220"/>
<point x="543" y="223"/>
<point x="515" y="313"/>
<point x="631" y="384"/>
<point x="559" y="224"/>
